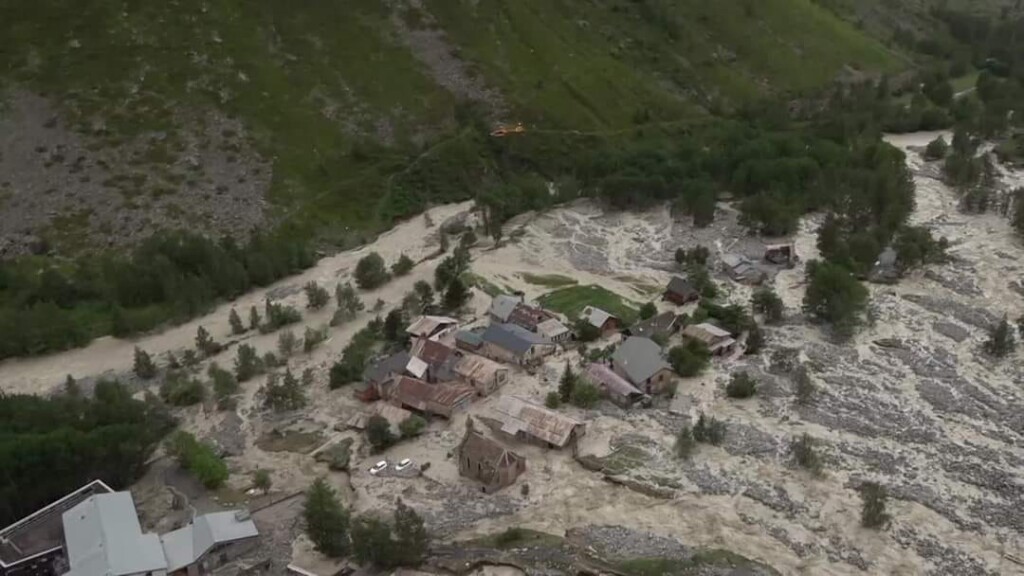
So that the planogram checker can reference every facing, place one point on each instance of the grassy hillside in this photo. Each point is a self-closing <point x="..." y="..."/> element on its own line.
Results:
<point x="340" y="99"/>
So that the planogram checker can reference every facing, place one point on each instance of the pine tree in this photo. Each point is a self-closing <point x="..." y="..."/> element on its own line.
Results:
<point x="327" y="522"/>
<point x="767" y="303"/>
<point x="873" y="514"/>
<point x="567" y="385"/>
<point x="410" y="535"/>
<point x="71" y="388"/>
<point x="685" y="442"/>
<point x="455" y="295"/>
<point x="204" y="342"/>
<point x="286" y="343"/>
<point x="804" y="386"/>
<point x="425" y="294"/>
<point x="247" y="363"/>
<point x="144" y="367"/>
<point x="254" y="319"/>
<point x="236" y="322"/>
<point x="402" y="266"/>
<point x="349" y="303"/>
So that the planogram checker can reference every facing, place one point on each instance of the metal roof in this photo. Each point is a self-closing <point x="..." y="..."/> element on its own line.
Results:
<point x="467" y="337"/>
<point x="520" y="415"/>
<point x="513" y="338"/>
<point x="103" y="538"/>
<point x="660" y="324"/>
<point x="382" y="369"/>
<point x="432" y="352"/>
<point x="482" y="449"/>
<point x="681" y="285"/>
<point x="477" y="368"/>
<point x="602" y="375"/>
<point x="426" y="326"/>
<point x="416" y="367"/>
<point x="552" y="328"/>
<point x="187" y="545"/>
<point x="502" y="306"/>
<point x="640" y="358"/>
<point x="595" y="316"/>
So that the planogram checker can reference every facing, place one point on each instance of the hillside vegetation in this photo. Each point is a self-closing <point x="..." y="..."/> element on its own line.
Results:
<point x="340" y="97"/>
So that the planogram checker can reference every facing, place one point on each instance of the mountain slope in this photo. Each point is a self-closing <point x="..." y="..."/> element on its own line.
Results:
<point x="337" y="97"/>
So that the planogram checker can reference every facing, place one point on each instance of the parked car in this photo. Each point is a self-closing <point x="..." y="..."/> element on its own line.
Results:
<point x="403" y="464"/>
<point x="379" y="467"/>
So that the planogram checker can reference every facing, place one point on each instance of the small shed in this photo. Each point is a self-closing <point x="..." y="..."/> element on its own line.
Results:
<point x="554" y="330"/>
<point x="432" y="327"/>
<point x="604" y="321"/>
<point x="781" y="254"/>
<point x="720" y="342"/>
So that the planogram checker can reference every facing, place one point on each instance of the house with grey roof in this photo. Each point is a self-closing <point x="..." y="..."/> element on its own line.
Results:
<point x="103" y="537"/>
<point x="502" y="307"/>
<point x="614" y="387"/>
<point x="639" y="361"/>
<point x="662" y="325"/>
<point x="514" y="344"/>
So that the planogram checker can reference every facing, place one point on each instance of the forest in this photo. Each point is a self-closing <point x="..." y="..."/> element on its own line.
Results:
<point x="51" y="446"/>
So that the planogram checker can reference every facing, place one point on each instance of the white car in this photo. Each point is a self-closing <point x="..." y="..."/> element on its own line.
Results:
<point x="403" y="464"/>
<point x="379" y="467"/>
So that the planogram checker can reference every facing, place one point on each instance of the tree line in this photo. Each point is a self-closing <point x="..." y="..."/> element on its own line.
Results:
<point x="171" y="276"/>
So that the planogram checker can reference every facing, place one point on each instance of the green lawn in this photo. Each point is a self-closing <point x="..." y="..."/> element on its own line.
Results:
<point x="571" y="301"/>
<point x="548" y="280"/>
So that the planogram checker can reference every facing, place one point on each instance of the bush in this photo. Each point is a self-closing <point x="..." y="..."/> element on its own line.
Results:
<point x="741" y="385"/>
<point x="936" y="149"/>
<point x="585" y="331"/>
<point x="709" y="430"/>
<point x="199" y="459"/>
<point x="179" y="390"/>
<point x="873" y="514"/>
<point x="510" y="536"/>
<point x="412" y="426"/>
<point x="402" y="266"/>
<point x="805" y="455"/>
<point x="277" y="316"/>
<point x="313" y="338"/>
<point x="648" y="310"/>
<point x="378" y="433"/>
<point x="316" y="296"/>
<point x="690" y="359"/>
<point x="261" y="480"/>
<point x="370" y="272"/>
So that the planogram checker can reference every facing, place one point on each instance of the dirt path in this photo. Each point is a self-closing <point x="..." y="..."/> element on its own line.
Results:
<point x="110" y="355"/>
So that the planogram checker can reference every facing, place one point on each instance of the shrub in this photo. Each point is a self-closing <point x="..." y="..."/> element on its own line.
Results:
<point x="370" y="272"/>
<point x="198" y="458"/>
<point x="804" y="453"/>
<point x="402" y="266"/>
<point x="224" y="385"/>
<point x="179" y="390"/>
<point x="648" y="310"/>
<point x="510" y="536"/>
<point x="313" y="338"/>
<point x="741" y="385"/>
<point x="709" y="430"/>
<point x="585" y="331"/>
<point x="873" y="514"/>
<point x="936" y="149"/>
<point x="316" y="296"/>
<point x="261" y="480"/>
<point x="277" y="316"/>
<point x="1001" y="340"/>
<point x="412" y="426"/>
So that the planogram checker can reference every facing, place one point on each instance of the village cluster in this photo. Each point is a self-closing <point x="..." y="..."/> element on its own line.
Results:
<point x="447" y="366"/>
